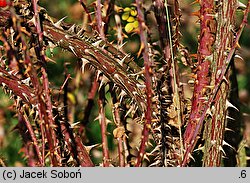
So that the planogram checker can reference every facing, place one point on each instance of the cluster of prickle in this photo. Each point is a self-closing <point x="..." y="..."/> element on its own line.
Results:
<point x="162" y="129"/>
<point x="66" y="144"/>
<point x="115" y="65"/>
<point x="13" y="82"/>
<point x="96" y="41"/>
<point x="161" y="102"/>
<point x="165" y="129"/>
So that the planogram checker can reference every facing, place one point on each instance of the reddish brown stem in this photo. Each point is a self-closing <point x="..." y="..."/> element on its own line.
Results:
<point x="43" y="142"/>
<point x="30" y="154"/>
<point x="37" y="22"/>
<point x="120" y="127"/>
<point x="83" y="154"/>
<point x="33" y="138"/>
<point x="99" y="19"/>
<point x="44" y="119"/>
<point x="207" y="28"/>
<point x="51" y="122"/>
<point x="64" y="83"/>
<point x="220" y="79"/>
<point x="102" y="120"/>
<point x="101" y="100"/>
<point x="120" y="152"/>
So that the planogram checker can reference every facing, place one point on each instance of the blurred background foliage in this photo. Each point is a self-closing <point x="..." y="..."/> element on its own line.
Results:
<point x="79" y="84"/>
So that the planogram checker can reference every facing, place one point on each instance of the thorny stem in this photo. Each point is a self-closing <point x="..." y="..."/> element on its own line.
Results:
<point x="64" y="124"/>
<point x="27" y="60"/>
<point x="51" y="122"/>
<point x="177" y="98"/>
<point x="115" y="104"/>
<point x="99" y="19"/>
<point x="148" y="73"/>
<point x="100" y="59"/>
<point x="41" y="108"/>
<point x="21" y="90"/>
<point x="71" y="143"/>
<point x="82" y="153"/>
<point x="29" y="153"/>
<point x="120" y="152"/>
<point x="63" y="85"/>
<point x="207" y="39"/>
<point x="44" y="120"/>
<point x="102" y="120"/>
<point x="37" y="22"/>
<point x="120" y="138"/>
<point x="43" y="142"/>
<point x="40" y="42"/>
<point x="96" y="56"/>
<point x="214" y="128"/>
<point x="101" y="100"/>
<point x="33" y="137"/>
<point x="217" y="87"/>
<point x="65" y="98"/>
